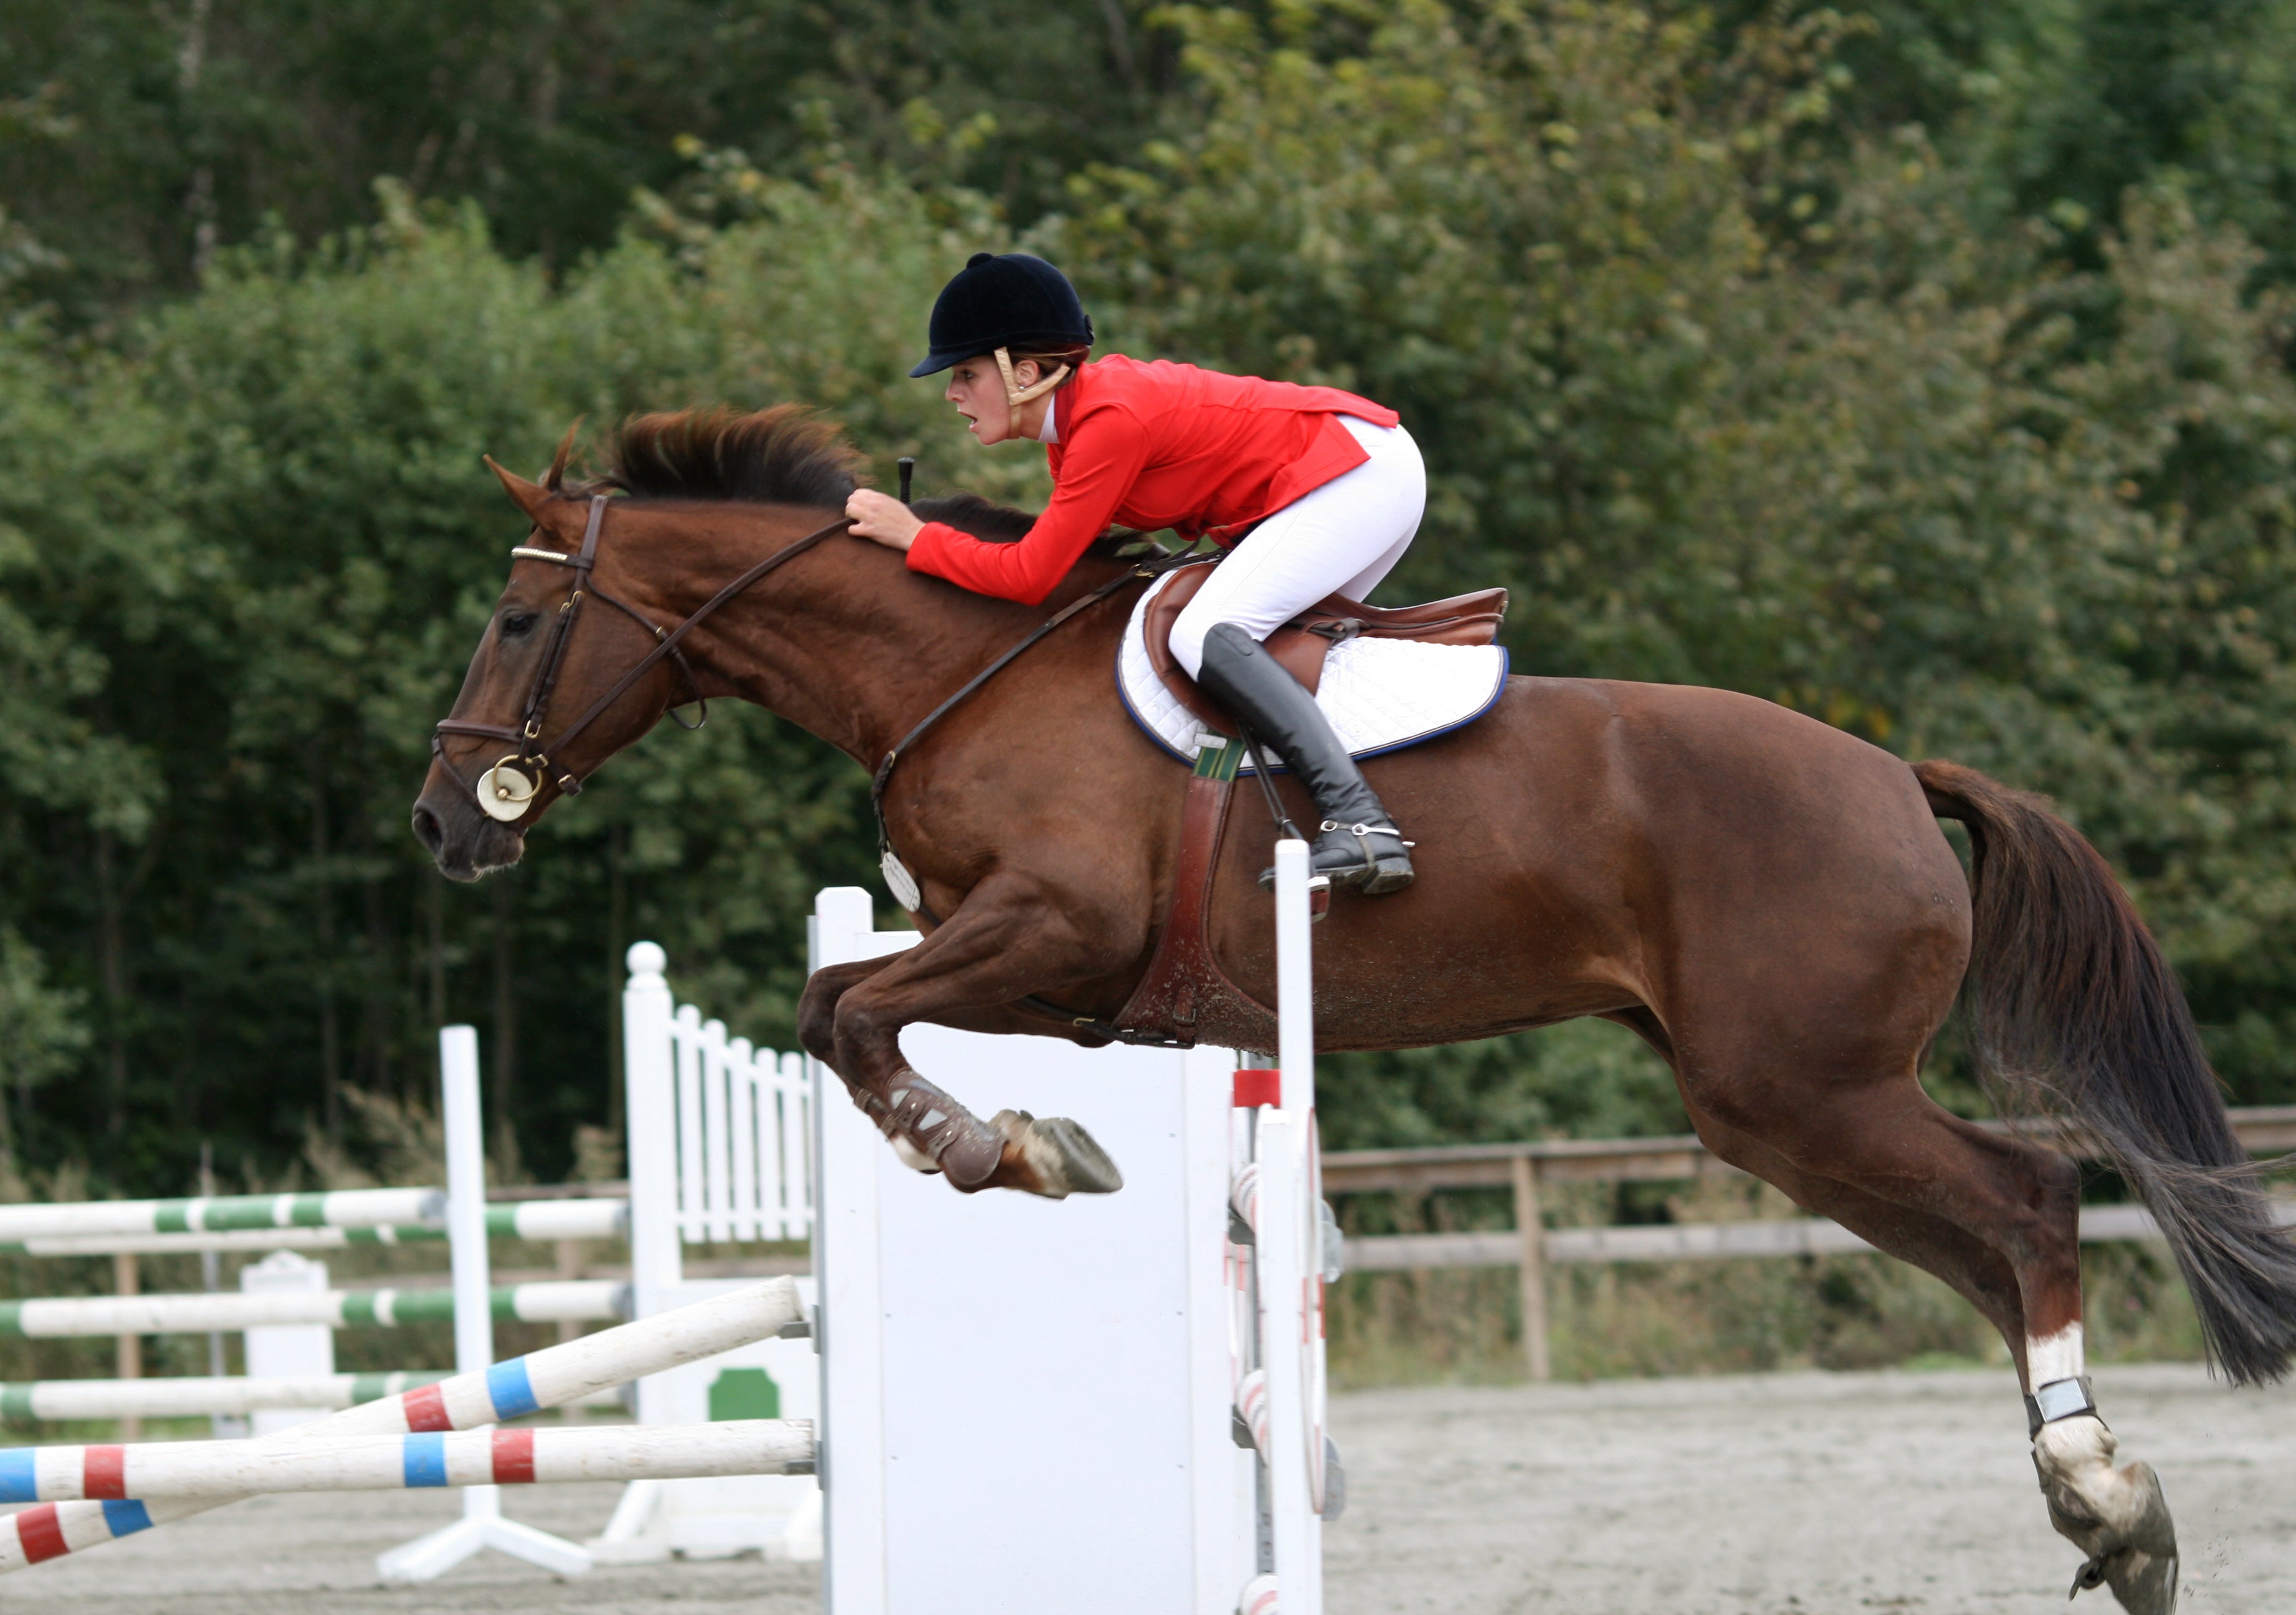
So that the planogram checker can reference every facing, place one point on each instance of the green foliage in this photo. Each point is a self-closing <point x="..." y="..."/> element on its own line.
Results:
<point x="135" y="140"/>
<point x="1755" y="352"/>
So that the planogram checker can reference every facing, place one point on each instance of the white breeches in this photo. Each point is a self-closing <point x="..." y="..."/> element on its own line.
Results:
<point x="1341" y="538"/>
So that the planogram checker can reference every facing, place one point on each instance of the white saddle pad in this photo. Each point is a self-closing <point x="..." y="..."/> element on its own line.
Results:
<point x="1378" y="694"/>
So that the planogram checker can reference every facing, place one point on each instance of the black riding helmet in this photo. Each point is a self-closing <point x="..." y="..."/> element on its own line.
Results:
<point x="1002" y="300"/>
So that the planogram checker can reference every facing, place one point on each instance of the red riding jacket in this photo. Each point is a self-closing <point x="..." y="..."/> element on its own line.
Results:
<point x="1157" y="446"/>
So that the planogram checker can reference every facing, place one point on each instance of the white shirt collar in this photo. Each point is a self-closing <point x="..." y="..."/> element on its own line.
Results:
<point x="1050" y="432"/>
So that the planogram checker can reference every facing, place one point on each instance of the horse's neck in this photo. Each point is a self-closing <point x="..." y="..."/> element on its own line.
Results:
<point x="843" y="641"/>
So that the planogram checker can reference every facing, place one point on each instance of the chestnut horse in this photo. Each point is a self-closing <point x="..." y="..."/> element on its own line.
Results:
<point x="1768" y="902"/>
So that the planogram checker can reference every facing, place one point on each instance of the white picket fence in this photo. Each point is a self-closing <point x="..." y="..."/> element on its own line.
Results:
<point x="745" y="1132"/>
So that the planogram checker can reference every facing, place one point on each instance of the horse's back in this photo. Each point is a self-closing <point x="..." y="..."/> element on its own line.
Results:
<point x="1754" y="845"/>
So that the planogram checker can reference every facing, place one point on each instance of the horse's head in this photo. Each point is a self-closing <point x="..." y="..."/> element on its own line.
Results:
<point x="548" y="696"/>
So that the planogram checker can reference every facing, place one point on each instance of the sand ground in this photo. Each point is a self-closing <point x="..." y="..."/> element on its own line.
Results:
<point x="1777" y="1495"/>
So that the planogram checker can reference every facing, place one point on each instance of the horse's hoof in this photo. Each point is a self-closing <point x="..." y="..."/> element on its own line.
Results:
<point x="2143" y="1583"/>
<point x="2117" y="1515"/>
<point x="1054" y="1157"/>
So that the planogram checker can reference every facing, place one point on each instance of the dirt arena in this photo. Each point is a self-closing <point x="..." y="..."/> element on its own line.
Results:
<point x="1779" y="1494"/>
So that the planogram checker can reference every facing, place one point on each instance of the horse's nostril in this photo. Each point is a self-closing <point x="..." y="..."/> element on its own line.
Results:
<point x="429" y="831"/>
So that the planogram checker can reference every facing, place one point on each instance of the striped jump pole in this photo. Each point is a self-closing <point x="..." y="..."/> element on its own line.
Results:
<point x="200" y="1395"/>
<point x="548" y="1378"/>
<point x="340" y="1208"/>
<point x="212" y="1472"/>
<point x="540" y="1220"/>
<point x="551" y="1300"/>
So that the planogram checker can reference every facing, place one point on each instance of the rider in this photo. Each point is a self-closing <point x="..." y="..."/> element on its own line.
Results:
<point x="1315" y="492"/>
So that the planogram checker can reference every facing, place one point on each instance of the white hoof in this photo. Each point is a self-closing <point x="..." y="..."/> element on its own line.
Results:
<point x="2117" y="1515"/>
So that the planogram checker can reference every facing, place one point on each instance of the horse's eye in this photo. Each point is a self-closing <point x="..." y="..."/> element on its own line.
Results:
<point x="514" y="623"/>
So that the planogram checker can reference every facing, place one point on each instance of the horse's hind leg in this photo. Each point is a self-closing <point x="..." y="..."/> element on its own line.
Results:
<point x="1909" y="1176"/>
<point x="1976" y="1272"/>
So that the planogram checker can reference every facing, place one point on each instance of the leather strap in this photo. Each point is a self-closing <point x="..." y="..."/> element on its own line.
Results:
<point x="1183" y="979"/>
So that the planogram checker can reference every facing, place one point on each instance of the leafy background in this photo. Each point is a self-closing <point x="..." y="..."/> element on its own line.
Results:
<point x="1923" y="366"/>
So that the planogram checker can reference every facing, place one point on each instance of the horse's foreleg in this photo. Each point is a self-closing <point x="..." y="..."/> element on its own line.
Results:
<point x="817" y="1024"/>
<point x="1005" y="943"/>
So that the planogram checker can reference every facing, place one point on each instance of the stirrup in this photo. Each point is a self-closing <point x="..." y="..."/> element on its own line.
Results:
<point x="1336" y="861"/>
<point x="1370" y="869"/>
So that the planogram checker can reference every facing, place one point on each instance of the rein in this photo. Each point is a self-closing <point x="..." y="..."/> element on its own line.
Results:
<point x="514" y="779"/>
<point x="896" y="874"/>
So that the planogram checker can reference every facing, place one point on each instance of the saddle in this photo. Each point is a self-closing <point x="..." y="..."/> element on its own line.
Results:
<point x="1301" y="645"/>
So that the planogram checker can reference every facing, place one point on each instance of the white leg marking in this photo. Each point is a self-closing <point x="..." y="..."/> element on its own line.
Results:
<point x="2054" y="1358"/>
<point x="912" y="1157"/>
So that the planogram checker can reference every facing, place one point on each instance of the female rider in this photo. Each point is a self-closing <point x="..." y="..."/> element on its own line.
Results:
<point x="1313" y="491"/>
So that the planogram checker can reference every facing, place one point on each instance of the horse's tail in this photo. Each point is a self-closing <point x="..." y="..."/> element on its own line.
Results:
<point x="2073" y="1013"/>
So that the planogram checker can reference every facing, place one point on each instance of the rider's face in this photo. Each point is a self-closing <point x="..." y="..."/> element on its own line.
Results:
<point x="977" y="387"/>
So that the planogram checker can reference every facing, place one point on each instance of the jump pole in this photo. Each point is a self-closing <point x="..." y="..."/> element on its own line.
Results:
<point x="600" y="1301"/>
<point x="340" y="1209"/>
<point x="549" y="1378"/>
<point x="482" y="1525"/>
<point x="211" y="1472"/>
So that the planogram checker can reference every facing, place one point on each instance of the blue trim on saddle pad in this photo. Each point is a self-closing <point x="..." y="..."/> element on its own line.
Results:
<point x="1498" y="689"/>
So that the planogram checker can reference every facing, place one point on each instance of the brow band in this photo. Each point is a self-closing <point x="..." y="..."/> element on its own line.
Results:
<point x="527" y="553"/>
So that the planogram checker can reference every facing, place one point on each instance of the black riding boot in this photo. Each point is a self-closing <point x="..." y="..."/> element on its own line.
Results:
<point x="1358" y="844"/>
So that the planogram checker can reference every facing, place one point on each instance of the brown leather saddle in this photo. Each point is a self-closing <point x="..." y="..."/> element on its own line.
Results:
<point x="1301" y="645"/>
<point x="1184" y="996"/>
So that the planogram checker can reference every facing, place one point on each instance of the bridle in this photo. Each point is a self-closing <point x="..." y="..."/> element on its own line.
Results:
<point x="506" y="791"/>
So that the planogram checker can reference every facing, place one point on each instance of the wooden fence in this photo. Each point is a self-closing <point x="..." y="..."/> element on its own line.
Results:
<point x="1530" y="1246"/>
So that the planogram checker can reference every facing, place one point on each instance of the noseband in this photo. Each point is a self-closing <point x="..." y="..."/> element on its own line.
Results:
<point x="506" y="791"/>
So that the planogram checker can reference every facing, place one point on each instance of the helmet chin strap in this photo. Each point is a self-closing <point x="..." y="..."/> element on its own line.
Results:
<point x="1016" y="394"/>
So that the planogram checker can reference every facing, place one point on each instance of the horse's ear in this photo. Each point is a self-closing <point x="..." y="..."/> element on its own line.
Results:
<point x="556" y="478"/>
<point x="531" y="497"/>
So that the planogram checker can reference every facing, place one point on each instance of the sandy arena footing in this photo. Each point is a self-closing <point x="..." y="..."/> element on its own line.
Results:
<point x="1770" y="1495"/>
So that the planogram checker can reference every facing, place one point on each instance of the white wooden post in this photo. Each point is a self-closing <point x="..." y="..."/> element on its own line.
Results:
<point x="1291" y="1256"/>
<point x="657" y="1259"/>
<point x="482" y="1525"/>
<point x="286" y="1350"/>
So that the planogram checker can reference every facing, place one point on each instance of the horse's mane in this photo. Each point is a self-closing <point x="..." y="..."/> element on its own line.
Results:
<point x="782" y="456"/>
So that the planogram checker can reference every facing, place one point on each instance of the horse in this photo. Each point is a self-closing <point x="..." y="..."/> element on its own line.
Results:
<point x="1768" y="902"/>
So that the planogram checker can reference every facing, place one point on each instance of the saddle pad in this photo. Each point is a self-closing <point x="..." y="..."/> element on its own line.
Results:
<point x="1378" y="694"/>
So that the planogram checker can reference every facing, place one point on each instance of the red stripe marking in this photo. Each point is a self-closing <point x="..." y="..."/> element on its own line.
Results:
<point x="426" y="1407"/>
<point x="103" y="1471"/>
<point x="42" y="1537"/>
<point x="1258" y="1085"/>
<point x="514" y="1452"/>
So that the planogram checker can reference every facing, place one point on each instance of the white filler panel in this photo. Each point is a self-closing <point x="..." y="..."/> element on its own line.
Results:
<point x="1039" y="1417"/>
